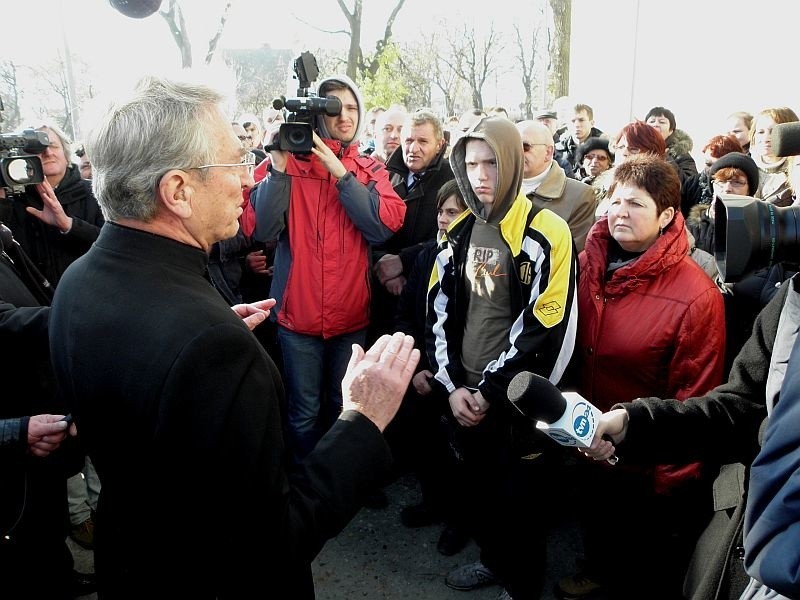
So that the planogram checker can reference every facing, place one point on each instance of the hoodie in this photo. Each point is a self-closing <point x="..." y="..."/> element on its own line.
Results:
<point x="501" y="296"/>
<point x="324" y="229"/>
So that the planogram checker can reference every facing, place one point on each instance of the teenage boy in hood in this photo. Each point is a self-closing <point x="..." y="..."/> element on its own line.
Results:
<point x="501" y="300"/>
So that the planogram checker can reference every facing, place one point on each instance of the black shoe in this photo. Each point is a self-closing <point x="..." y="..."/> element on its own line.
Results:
<point x="419" y="515"/>
<point x="452" y="540"/>
<point x="82" y="584"/>
<point x="376" y="499"/>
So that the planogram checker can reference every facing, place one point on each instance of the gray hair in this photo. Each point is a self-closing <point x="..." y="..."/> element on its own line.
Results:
<point x="66" y="143"/>
<point x="426" y="115"/>
<point x="163" y="126"/>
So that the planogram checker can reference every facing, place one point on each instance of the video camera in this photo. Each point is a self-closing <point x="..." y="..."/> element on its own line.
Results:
<point x="296" y="134"/>
<point x="750" y="233"/>
<point x="20" y="164"/>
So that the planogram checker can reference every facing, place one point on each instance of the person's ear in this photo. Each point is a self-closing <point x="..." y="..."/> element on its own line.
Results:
<point x="666" y="217"/>
<point x="175" y="193"/>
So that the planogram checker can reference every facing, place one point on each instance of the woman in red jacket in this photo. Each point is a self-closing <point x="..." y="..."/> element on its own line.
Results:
<point x="650" y="322"/>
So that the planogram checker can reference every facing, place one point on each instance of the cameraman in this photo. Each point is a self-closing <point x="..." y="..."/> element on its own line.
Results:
<point x="57" y="221"/>
<point x="325" y="209"/>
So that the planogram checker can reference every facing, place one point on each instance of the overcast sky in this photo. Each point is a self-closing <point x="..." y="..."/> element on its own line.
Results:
<point x="701" y="58"/>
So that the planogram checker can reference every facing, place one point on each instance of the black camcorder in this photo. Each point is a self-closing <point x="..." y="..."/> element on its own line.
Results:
<point x="20" y="164"/>
<point x="749" y="233"/>
<point x="296" y="135"/>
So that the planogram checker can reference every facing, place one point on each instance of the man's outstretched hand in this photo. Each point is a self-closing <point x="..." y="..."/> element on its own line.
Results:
<point x="377" y="379"/>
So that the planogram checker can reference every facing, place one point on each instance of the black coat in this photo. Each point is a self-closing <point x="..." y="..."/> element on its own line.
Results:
<point x="419" y="224"/>
<point x="52" y="251"/>
<point x="33" y="490"/>
<point x="182" y="412"/>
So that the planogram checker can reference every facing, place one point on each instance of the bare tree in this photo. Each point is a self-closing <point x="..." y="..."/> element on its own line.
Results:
<point x="417" y="67"/>
<point x="260" y="75"/>
<point x="473" y="60"/>
<point x="173" y="15"/>
<point x="177" y="28"/>
<point x="10" y="95"/>
<point x="559" y="49"/>
<point x="212" y="43"/>
<point x="526" y="45"/>
<point x="359" y="66"/>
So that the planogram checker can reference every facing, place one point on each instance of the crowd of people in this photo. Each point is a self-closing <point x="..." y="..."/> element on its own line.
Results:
<point x="196" y="301"/>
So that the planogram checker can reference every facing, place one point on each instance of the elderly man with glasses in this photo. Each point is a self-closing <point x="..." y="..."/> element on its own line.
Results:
<point x="547" y="186"/>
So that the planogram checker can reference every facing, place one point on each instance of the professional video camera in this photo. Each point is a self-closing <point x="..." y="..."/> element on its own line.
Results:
<point x="750" y="233"/>
<point x="20" y="164"/>
<point x="296" y="134"/>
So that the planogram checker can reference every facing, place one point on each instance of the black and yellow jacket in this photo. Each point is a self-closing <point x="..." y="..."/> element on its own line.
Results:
<point x="543" y="278"/>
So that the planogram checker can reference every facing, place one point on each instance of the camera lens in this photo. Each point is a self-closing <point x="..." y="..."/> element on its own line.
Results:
<point x="298" y="137"/>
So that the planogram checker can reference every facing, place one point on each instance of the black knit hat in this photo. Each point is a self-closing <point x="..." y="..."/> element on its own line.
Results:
<point x="593" y="143"/>
<point x="737" y="160"/>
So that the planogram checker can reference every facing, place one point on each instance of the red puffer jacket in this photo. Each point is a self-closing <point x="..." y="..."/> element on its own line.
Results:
<point x="655" y="328"/>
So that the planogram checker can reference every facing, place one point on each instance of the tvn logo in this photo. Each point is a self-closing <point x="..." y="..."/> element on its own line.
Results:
<point x="583" y="423"/>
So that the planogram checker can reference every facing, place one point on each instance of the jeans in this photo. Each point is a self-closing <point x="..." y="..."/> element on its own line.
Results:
<point x="313" y="371"/>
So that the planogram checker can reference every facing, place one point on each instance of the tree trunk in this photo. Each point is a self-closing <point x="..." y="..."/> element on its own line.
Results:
<point x="559" y="52"/>
<point x="177" y="29"/>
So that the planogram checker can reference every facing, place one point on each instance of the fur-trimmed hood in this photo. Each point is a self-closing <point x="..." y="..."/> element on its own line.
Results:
<point x="679" y="143"/>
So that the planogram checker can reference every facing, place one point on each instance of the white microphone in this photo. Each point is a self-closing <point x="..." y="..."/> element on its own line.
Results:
<point x="566" y="417"/>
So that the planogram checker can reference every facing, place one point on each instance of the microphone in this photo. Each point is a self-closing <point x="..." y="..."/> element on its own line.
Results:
<point x="568" y="418"/>
<point x="786" y="139"/>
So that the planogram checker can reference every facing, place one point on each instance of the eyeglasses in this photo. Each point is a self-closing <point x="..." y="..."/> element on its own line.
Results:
<point x="597" y="157"/>
<point x="526" y="146"/>
<point x="248" y="160"/>
<point x="736" y="183"/>
<point x="244" y="137"/>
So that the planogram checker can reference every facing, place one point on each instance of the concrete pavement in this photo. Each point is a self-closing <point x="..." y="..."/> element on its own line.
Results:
<point x="376" y="558"/>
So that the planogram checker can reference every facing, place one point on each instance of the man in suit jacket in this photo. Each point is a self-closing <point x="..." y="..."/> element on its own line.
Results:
<point x="180" y="406"/>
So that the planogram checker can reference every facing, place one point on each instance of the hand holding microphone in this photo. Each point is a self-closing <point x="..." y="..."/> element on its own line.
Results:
<point x="567" y="417"/>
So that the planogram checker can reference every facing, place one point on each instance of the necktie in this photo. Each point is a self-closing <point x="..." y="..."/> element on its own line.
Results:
<point x="414" y="181"/>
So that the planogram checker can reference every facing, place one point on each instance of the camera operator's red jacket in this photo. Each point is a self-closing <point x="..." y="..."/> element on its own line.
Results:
<point x="324" y="230"/>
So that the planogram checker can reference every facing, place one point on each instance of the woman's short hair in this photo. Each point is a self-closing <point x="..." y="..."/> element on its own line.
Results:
<point x="641" y="136"/>
<point x="652" y="174"/>
<point x="660" y="111"/>
<point x="163" y="126"/>
<point x="720" y="145"/>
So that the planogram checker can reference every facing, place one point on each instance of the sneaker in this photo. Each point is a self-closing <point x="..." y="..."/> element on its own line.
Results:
<point x="470" y="577"/>
<point x="82" y="584"/>
<point x="83" y="534"/>
<point x="577" y="586"/>
<point x="419" y="515"/>
<point x="452" y="540"/>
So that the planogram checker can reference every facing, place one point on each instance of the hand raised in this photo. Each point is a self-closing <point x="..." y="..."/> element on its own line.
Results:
<point x="376" y="381"/>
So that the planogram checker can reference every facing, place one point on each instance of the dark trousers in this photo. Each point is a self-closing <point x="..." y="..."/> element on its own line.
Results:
<point x="420" y="439"/>
<point x="638" y="543"/>
<point x="506" y="500"/>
